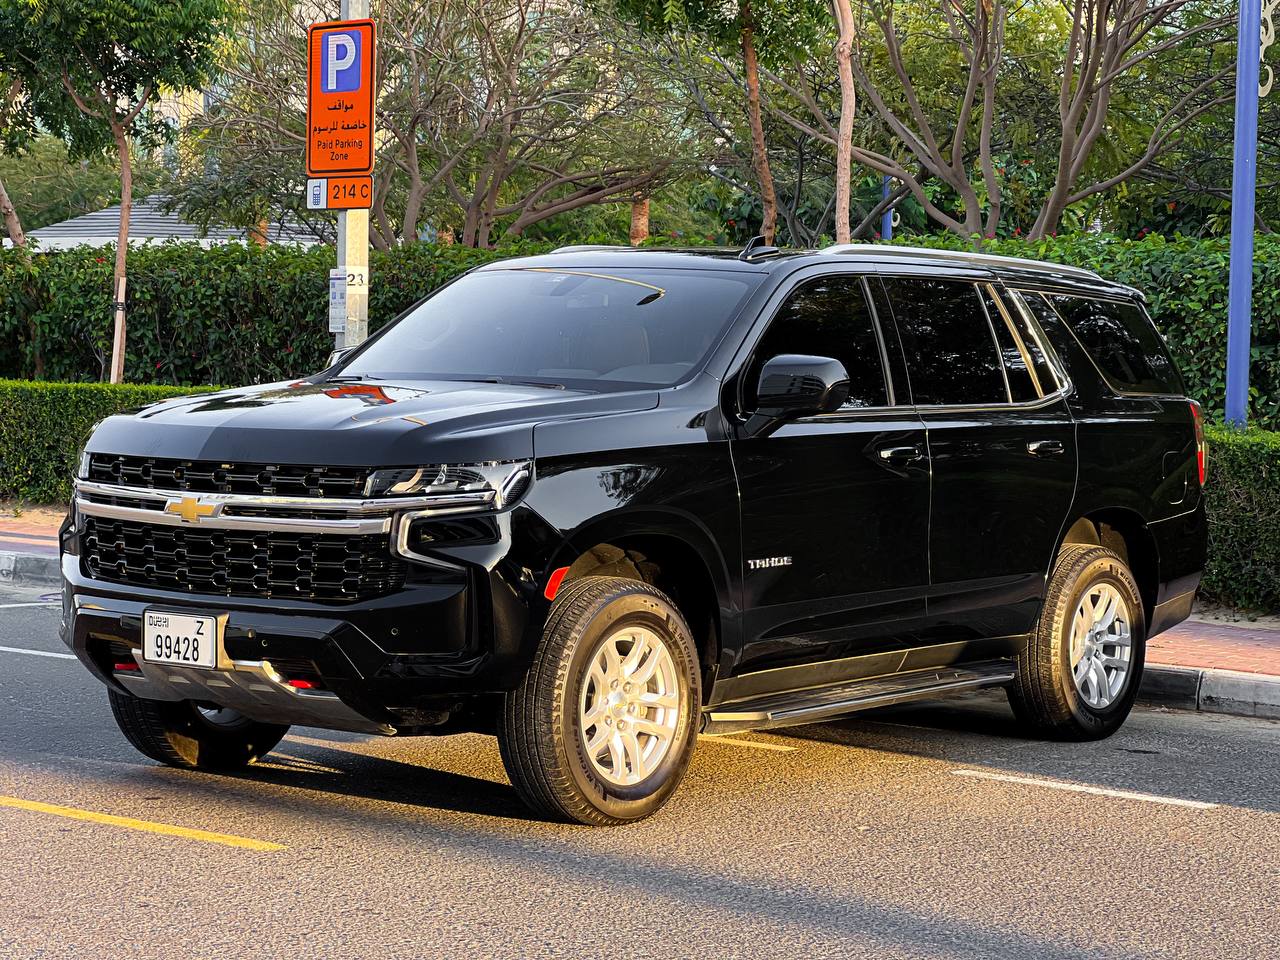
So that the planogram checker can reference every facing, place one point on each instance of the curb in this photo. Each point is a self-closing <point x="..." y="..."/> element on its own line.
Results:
<point x="29" y="568"/>
<point x="1212" y="691"/>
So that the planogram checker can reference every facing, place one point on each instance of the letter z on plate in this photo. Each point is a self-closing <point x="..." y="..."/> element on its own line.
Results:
<point x="179" y="638"/>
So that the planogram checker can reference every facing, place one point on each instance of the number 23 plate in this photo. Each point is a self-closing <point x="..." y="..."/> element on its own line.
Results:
<point x="179" y="638"/>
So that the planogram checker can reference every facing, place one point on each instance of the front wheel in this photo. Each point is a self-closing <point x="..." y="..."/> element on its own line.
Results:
<point x="1079" y="676"/>
<point x="194" y="736"/>
<point x="602" y="727"/>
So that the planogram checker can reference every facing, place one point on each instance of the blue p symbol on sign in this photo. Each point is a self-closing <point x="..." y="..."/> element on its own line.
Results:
<point x="340" y="62"/>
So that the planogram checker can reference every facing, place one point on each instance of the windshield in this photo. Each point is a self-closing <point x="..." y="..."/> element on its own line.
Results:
<point x="585" y="328"/>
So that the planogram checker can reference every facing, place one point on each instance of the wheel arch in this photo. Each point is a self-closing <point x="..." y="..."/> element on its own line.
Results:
<point x="668" y="552"/>
<point x="1127" y="533"/>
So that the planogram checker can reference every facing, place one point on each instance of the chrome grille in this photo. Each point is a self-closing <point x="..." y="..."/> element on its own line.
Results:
<point x="209" y="476"/>
<point x="234" y="563"/>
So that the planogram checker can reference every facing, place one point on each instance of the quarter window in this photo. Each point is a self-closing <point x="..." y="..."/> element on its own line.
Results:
<point x="1123" y="342"/>
<point x="827" y="317"/>
<point x="952" y="357"/>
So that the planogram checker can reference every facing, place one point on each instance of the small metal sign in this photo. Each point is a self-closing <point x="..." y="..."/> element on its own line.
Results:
<point x="338" y="300"/>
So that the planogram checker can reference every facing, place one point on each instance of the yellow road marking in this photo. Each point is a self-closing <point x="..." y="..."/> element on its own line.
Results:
<point x="776" y="747"/>
<point x="74" y="813"/>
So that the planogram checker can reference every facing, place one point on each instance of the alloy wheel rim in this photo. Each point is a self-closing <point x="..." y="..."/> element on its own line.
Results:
<point x="629" y="706"/>
<point x="1101" y="645"/>
<point x="222" y="717"/>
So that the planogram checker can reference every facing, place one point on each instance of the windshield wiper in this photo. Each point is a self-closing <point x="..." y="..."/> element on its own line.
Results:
<point x="506" y="380"/>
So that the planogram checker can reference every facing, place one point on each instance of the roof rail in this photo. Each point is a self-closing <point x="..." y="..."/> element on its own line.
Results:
<point x="757" y="249"/>
<point x="977" y="259"/>
<point x="587" y="247"/>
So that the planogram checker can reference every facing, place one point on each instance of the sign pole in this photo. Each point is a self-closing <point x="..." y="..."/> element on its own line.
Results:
<point x="1244" y="175"/>
<point x="353" y="240"/>
<point x="886" y="218"/>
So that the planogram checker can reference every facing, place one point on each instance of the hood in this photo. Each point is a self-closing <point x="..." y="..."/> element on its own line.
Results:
<point x="355" y="424"/>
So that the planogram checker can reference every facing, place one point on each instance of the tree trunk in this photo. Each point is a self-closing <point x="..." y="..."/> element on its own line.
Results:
<point x="639" y="220"/>
<point x="11" y="222"/>
<point x="848" y="104"/>
<point x="258" y="232"/>
<point x="759" y="153"/>
<point x="122" y="246"/>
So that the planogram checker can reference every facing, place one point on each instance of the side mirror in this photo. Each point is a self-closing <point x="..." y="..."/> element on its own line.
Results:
<point x="794" y="385"/>
<point x="336" y="356"/>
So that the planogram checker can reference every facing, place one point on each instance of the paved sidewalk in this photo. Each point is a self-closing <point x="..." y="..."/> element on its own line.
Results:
<point x="1198" y="665"/>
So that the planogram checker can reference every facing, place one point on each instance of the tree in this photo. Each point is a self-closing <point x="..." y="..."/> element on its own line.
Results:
<point x="108" y="60"/>
<point x="8" y="107"/>
<point x="1109" y="41"/>
<point x="495" y="116"/>
<point x="848" y="104"/>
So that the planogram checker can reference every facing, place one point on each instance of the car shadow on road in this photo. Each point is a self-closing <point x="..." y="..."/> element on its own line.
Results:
<point x="361" y="775"/>
<point x="1156" y="751"/>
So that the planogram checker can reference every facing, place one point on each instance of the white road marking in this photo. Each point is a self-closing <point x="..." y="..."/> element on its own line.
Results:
<point x="776" y="747"/>
<point x="38" y="653"/>
<point x="43" y="603"/>
<point x="1081" y="788"/>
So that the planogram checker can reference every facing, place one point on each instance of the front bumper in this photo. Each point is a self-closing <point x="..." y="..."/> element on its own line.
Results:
<point x="407" y="661"/>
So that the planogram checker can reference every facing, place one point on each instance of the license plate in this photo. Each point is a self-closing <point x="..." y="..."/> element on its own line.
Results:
<point x="179" y="638"/>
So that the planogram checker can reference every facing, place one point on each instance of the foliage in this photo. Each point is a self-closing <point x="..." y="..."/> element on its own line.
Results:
<point x="241" y="314"/>
<point x="234" y="313"/>
<point x="1243" y="500"/>
<point x="47" y="186"/>
<point x="44" y="425"/>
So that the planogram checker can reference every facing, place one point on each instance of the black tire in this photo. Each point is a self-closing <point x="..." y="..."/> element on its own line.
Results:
<point x="542" y="746"/>
<point x="178" y="734"/>
<point x="1044" y="694"/>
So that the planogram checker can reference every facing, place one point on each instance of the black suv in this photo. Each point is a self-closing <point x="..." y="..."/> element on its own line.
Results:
<point x="601" y="501"/>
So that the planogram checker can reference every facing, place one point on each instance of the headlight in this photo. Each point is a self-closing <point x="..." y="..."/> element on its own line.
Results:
<point x="460" y="487"/>
<point x="82" y="465"/>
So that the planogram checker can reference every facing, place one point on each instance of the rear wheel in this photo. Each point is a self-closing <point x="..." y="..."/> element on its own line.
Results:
<point x="1079" y="675"/>
<point x="194" y="736"/>
<point x="602" y="727"/>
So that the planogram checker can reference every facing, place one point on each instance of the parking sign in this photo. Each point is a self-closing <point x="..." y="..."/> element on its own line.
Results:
<point x="340" y="65"/>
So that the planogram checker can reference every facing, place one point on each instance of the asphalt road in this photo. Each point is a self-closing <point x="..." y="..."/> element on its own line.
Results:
<point x="861" y="838"/>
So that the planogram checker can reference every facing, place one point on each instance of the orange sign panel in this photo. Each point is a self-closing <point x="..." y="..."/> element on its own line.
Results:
<point x="340" y="62"/>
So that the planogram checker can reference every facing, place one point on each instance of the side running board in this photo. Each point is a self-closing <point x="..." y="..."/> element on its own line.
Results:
<point x="820" y="703"/>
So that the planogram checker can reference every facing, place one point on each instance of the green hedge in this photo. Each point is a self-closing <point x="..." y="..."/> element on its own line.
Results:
<point x="43" y="426"/>
<point x="240" y="314"/>
<point x="1243" y="498"/>
<point x="231" y="314"/>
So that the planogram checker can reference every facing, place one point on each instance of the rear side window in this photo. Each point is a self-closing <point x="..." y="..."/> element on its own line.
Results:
<point x="828" y="317"/>
<point x="951" y="349"/>
<point x="1123" y="343"/>
<point x="1022" y="384"/>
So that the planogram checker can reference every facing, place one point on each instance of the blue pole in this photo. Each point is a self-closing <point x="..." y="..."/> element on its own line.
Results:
<point x="886" y="218"/>
<point x="1243" y="185"/>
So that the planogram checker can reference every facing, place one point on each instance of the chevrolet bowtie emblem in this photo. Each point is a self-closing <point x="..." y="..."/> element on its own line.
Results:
<point x="191" y="509"/>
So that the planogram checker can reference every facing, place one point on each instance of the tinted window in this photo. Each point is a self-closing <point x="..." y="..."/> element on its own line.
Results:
<point x="1123" y="343"/>
<point x="1021" y="385"/>
<point x="951" y="351"/>
<point x="604" y="330"/>
<point x="827" y="318"/>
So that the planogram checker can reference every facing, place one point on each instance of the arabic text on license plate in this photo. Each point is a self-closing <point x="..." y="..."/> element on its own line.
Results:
<point x="179" y="638"/>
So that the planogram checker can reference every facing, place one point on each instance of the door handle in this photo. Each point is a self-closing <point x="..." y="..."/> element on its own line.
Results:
<point x="1046" y="448"/>
<point x="901" y="454"/>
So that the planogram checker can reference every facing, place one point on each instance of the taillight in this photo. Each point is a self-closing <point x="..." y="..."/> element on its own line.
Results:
<point x="1202" y="448"/>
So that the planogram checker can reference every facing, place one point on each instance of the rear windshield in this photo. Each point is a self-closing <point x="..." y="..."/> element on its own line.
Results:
<point x="1123" y="343"/>
<point x="605" y="330"/>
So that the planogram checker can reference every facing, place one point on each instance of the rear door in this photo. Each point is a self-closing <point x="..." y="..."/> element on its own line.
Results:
<point x="834" y="507"/>
<point x="1002" y="451"/>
